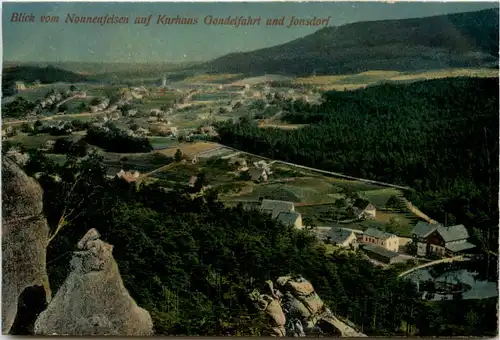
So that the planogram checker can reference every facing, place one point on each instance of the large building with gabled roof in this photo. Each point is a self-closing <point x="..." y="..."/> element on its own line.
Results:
<point x="282" y="211"/>
<point x="381" y="238"/>
<point x="437" y="240"/>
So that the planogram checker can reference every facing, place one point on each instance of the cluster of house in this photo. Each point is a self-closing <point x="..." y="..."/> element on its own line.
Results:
<point x="438" y="240"/>
<point x="378" y="245"/>
<point x="429" y="239"/>
<point x="134" y="93"/>
<point x="258" y="171"/>
<point x="101" y="106"/>
<point x="282" y="211"/>
<point x="55" y="97"/>
<point x="53" y="127"/>
<point x="157" y="115"/>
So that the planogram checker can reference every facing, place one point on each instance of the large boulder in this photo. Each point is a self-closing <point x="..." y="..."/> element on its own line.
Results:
<point x="272" y="307"/>
<point x="25" y="285"/>
<point x="93" y="299"/>
<point x="303" y="312"/>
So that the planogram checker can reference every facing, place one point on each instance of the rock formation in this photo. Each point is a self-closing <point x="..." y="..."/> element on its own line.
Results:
<point x="93" y="299"/>
<point x="272" y="307"/>
<point x="295" y="309"/>
<point x="25" y="287"/>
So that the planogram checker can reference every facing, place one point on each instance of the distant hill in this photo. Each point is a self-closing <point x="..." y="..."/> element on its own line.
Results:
<point x="109" y="71"/>
<point x="29" y="74"/>
<point x="455" y="40"/>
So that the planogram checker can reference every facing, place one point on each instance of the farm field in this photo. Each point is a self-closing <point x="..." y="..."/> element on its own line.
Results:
<point x="57" y="158"/>
<point x="315" y="196"/>
<point x="214" y="96"/>
<point x="190" y="148"/>
<point x="163" y="142"/>
<point x="261" y="79"/>
<point x="325" y="215"/>
<point x="283" y="126"/>
<point x="212" y="78"/>
<point x="142" y="162"/>
<point x="34" y="93"/>
<point x="354" y="81"/>
<point x="216" y="172"/>
<point x="36" y="141"/>
<point x="154" y="102"/>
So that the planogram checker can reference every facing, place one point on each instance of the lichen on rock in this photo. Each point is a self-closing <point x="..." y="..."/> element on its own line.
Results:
<point x="93" y="299"/>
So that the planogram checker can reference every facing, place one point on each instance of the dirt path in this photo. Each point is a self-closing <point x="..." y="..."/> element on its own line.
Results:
<point x="425" y="265"/>
<point x="416" y="211"/>
<point x="70" y="98"/>
<point x="335" y="174"/>
<point x="163" y="168"/>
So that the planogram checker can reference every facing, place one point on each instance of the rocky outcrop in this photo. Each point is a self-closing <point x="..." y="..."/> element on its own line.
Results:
<point x="25" y="287"/>
<point x="295" y="309"/>
<point x="93" y="299"/>
<point x="272" y="307"/>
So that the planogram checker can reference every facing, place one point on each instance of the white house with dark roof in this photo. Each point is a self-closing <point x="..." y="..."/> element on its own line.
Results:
<point x="380" y="238"/>
<point x="363" y="209"/>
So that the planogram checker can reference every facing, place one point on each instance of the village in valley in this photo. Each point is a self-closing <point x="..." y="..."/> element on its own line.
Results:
<point x="287" y="181"/>
<point x="177" y="117"/>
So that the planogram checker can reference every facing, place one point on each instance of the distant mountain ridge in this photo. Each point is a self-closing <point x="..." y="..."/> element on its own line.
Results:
<point x="95" y="68"/>
<point x="455" y="40"/>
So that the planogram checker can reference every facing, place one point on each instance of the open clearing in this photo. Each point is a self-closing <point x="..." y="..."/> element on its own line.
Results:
<point x="190" y="149"/>
<point x="360" y="80"/>
<point x="143" y="162"/>
<point x="260" y="80"/>
<point x="210" y="78"/>
<point x="163" y="142"/>
<point x="37" y="141"/>
<point x="282" y="126"/>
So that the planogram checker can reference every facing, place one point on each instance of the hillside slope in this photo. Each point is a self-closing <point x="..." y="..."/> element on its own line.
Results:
<point x="30" y="74"/>
<point x="455" y="40"/>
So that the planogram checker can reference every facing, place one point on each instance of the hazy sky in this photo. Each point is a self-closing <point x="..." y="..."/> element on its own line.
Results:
<point x="135" y="43"/>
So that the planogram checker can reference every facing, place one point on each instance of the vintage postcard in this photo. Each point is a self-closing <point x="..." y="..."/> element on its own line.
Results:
<point x="250" y="169"/>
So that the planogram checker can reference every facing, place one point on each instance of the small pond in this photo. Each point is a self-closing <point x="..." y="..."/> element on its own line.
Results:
<point x="458" y="278"/>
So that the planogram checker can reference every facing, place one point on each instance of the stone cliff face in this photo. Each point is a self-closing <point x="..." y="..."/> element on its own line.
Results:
<point x="295" y="309"/>
<point x="93" y="299"/>
<point x="25" y="287"/>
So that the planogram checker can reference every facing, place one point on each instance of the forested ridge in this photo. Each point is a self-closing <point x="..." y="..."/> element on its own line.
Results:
<point x="411" y="44"/>
<point x="30" y="74"/>
<point x="439" y="137"/>
<point x="192" y="262"/>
